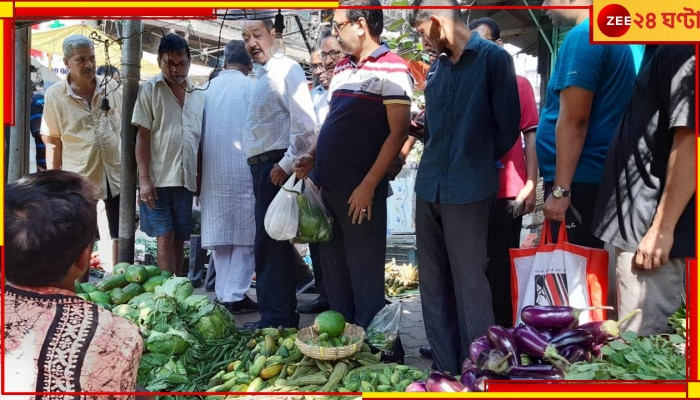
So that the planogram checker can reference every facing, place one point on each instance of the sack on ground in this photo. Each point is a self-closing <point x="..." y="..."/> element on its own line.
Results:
<point x="282" y="216"/>
<point x="315" y="222"/>
<point x="383" y="331"/>
<point x="559" y="274"/>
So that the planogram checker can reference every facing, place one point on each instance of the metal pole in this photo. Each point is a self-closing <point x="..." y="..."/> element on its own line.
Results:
<point x="18" y="153"/>
<point x="303" y="33"/>
<point x="539" y="28"/>
<point x="131" y="72"/>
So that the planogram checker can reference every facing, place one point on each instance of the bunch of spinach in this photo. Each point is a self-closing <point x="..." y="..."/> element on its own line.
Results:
<point x="677" y="321"/>
<point x="635" y="358"/>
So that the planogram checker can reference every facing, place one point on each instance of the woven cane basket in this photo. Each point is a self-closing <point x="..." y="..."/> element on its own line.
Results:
<point x="354" y="332"/>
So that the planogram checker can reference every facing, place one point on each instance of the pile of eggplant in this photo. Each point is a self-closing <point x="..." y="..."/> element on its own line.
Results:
<point x="542" y="348"/>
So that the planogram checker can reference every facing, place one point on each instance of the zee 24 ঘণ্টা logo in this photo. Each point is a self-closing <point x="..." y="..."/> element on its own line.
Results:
<point x="614" y="20"/>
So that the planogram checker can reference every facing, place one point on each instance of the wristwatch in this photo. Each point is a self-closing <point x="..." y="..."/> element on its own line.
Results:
<point x="559" y="192"/>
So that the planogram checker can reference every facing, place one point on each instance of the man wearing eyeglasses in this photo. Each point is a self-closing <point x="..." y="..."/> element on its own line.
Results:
<point x="365" y="128"/>
<point x="168" y="114"/>
<point x="280" y="127"/>
<point x="323" y="62"/>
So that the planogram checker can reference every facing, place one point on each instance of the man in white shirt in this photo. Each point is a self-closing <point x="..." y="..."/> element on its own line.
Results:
<point x="227" y="201"/>
<point x="80" y="135"/>
<point x="280" y="127"/>
<point x="168" y="113"/>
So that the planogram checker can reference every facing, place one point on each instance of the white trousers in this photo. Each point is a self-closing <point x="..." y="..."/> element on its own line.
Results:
<point x="235" y="266"/>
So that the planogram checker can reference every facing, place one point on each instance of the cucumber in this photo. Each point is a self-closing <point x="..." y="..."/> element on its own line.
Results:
<point x="152" y="270"/>
<point x="88" y="287"/>
<point x="99" y="297"/>
<point x="130" y="291"/>
<point x="116" y="294"/>
<point x="120" y="268"/>
<point x="136" y="274"/>
<point x="114" y="281"/>
<point x="151" y="283"/>
<point x="84" y="296"/>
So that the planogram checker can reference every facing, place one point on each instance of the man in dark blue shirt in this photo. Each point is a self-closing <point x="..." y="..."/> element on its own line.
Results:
<point x="472" y="119"/>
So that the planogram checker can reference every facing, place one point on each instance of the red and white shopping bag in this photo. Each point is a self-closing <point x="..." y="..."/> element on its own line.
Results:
<point x="559" y="274"/>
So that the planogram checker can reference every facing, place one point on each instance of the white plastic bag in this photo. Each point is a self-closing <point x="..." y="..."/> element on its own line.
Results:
<point x="282" y="216"/>
<point x="315" y="222"/>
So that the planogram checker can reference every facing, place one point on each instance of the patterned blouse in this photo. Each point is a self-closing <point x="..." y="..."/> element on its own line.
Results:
<point x="57" y="342"/>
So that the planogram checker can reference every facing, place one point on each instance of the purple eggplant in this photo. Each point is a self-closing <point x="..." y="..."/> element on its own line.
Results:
<point x="467" y="363"/>
<point x="552" y="316"/>
<point x="530" y="341"/>
<point x="417" y="386"/>
<point x="547" y="372"/>
<point x="503" y="341"/>
<point x="478" y="346"/>
<point x="494" y="360"/>
<point x="439" y="382"/>
<point x="479" y="384"/>
<point x="579" y="337"/>
<point x="605" y="331"/>
<point x="468" y="376"/>
<point x="574" y="353"/>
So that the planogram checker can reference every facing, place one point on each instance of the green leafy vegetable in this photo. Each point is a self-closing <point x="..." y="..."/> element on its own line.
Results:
<point x="634" y="358"/>
<point x="177" y="287"/>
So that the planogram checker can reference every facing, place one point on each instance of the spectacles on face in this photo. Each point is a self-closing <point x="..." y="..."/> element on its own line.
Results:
<point x="314" y="67"/>
<point x="333" y="54"/>
<point x="338" y="26"/>
<point x="179" y="66"/>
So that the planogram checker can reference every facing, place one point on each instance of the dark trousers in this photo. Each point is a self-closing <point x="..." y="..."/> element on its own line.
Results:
<point x="353" y="261"/>
<point x="455" y="293"/>
<point x="503" y="234"/>
<point x="197" y="259"/>
<point x="210" y="280"/>
<point x="579" y="217"/>
<point x="315" y="251"/>
<point x="274" y="260"/>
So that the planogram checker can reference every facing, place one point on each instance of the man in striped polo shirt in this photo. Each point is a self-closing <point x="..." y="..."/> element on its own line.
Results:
<point x="365" y="128"/>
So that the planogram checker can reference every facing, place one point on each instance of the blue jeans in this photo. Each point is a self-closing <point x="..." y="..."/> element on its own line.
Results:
<point x="172" y="212"/>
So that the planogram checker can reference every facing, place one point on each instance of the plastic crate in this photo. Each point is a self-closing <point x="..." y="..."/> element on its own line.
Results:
<point x="402" y="254"/>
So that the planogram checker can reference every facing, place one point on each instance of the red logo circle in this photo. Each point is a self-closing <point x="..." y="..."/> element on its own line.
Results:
<point x="614" y="20"/>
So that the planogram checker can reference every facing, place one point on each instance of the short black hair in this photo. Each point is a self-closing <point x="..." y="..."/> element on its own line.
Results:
<point x="323" y="35"/>
<point x="491" y="23"/>
<point x="418" y="15"/>
<point x="50" y="219"/>
<point x="235" y="53"/>
<point x="373" y="16"/>
<point x="173" y="42"/>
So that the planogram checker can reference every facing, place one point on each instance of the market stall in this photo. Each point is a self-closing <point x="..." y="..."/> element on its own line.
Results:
<point x="193" y="345"/>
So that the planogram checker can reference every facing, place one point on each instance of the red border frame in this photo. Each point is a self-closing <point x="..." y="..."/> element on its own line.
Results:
<point x="640" y="386"/>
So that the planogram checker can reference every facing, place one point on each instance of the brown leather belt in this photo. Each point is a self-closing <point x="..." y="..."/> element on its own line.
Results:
<point x="272" y="155"/>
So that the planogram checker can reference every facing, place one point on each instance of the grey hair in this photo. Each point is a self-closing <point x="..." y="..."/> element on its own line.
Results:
<point x="73" y="42"/>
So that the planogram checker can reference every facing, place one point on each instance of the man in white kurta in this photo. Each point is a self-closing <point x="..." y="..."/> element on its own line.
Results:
<point x="227" y="200"/>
